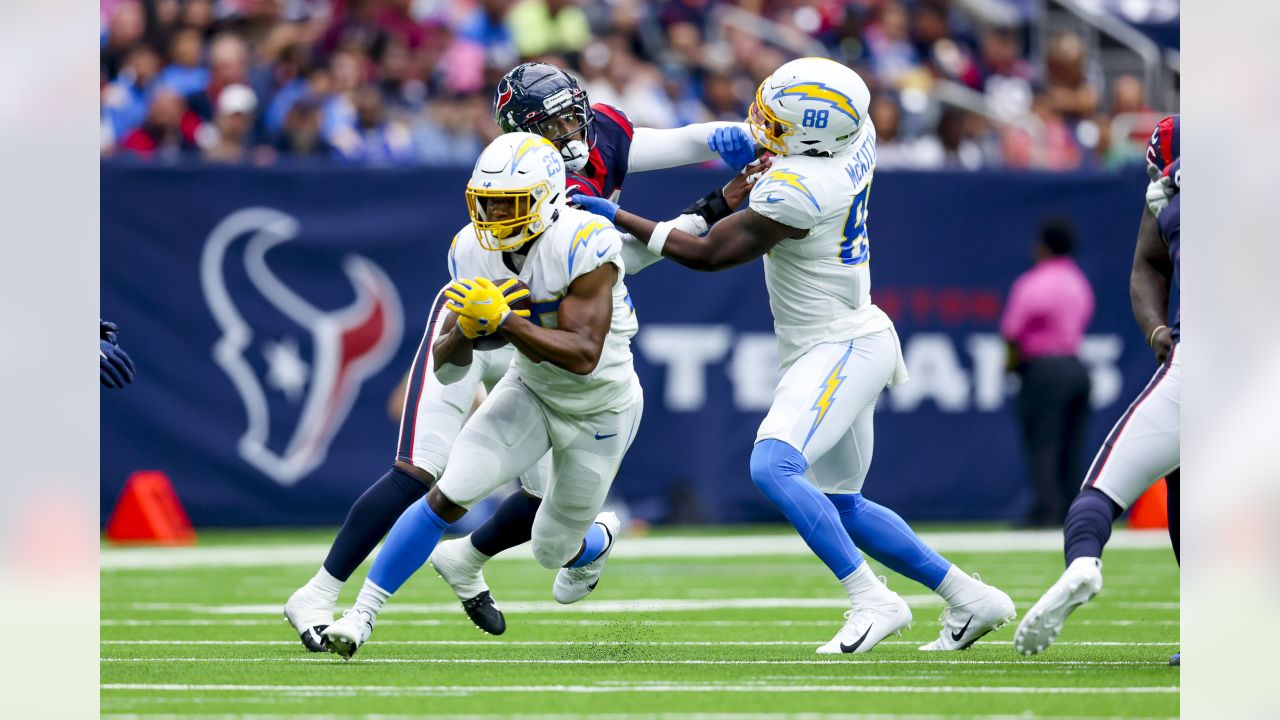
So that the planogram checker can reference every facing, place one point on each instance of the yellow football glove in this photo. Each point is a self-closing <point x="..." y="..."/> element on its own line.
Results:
<point x="483" y="304"/>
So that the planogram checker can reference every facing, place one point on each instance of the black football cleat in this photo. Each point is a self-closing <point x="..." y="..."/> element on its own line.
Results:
<point x="485" y="614"/>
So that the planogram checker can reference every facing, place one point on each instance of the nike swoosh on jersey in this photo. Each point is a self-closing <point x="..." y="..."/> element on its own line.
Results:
<point x="602" y="253"/>
<point x="605" y="437"/>
<point x="773" y="198"/>
<point x="850" y="648"/>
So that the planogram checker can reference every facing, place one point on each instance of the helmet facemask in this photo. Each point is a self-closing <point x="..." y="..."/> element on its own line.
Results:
<point x="566" y="127"/>
<point x="768" y="129"/>
<point x="506" y="219"/>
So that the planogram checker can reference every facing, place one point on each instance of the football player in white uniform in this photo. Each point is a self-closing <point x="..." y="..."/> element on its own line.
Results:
<point x="808" y="218"/>
<point x="541" y="97"/>
<point x="571" y="389"/>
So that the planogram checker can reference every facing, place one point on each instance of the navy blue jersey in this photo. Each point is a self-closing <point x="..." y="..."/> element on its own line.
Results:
<point x="610" y="154"/>
<point x="1170" y="225"/>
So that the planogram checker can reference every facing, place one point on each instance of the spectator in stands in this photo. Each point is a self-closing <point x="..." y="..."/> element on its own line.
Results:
<point x="893" y="57"/>
<point x="1046" y="143"/>
<point x="185" y="74"/>
<point x="125" y="101"/>
<point x="228" y="65"/>
<point x="448" y="134"/>
<point x="1132" y="119"/>
<point x="300" y="137"/>
<point x="543" y="26"/>
<point x="124" y="30"/>
<point x="168" y="130"/>
<point x="626" y="83"/>
<point x="1006" y="77"/>
<point x="1068" y="90"/>
<point x="931" y="34"/>
<point x="1044" y="320"/>
<point x="227" y="138"/>
<point x="892" y="149"/>
<point x="373" y="138"/>
<point x="655" y="59"/>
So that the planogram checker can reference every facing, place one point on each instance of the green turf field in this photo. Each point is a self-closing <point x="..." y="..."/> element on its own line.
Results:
<point x="677" y="627"/>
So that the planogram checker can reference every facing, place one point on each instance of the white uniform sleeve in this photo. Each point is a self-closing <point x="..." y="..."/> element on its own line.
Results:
<point x="789" y="198"/>
<point x="653" y="149"/>
<point x="595" y="243"/>
<point x="637" y="256"/>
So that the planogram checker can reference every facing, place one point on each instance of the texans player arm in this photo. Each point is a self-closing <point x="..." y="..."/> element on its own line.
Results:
<point x="1149" y="286"/>
<point x="584" y="318"/>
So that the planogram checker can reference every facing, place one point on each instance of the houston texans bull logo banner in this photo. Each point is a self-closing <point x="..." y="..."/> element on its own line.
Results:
<point x="273" y="313"/>
<point x="346" y="345"/>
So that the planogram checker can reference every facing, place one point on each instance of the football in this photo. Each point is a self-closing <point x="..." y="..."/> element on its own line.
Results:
<point x="497" y="339"/>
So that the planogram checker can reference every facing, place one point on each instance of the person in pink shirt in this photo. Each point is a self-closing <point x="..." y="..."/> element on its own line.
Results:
<point x="1048" y="309"/>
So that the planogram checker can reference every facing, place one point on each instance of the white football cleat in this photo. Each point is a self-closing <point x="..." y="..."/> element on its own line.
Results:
<point x="964" y="624"/>
<point x="461" y="565"/>
<point x="1077" y="586"/>
<point x="867" y="625"/>
<point x="573" y="584"/>
<point x="454" y="561"/>
<point x="350" y="632"/>
<point x="309" y="614"/>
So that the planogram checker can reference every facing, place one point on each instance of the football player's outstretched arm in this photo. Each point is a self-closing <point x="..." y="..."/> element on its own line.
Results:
<point x="654" y="149"/>
<point x="585" y="315"/>
<point x="739" y="238"/>
<point x="1149" y="286"/>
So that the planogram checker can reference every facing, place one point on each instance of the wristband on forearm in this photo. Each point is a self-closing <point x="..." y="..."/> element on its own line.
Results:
<point x="1151" y="339"/>
<point x="712" y="208"/>
<point x="658" y="237"/>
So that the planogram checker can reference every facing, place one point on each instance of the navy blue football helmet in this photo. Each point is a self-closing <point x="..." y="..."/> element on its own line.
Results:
<point x="544" y="100"/>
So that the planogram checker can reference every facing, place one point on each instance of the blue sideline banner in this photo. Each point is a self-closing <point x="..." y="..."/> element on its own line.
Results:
<point x="273" y="312"/>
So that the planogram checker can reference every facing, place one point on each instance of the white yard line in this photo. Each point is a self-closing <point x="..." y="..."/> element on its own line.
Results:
<point x="420" y="622"/>
<point x="644" y="547"/>
<point x="650" y="605"/>
<point x="583" y="661"/>
<point x="622" y="716"/>
<point x="620" y="643"/>
<point x="330" y="690"/>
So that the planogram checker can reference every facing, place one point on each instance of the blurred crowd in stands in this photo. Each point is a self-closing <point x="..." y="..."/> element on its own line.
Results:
<point x="411" y="81"/>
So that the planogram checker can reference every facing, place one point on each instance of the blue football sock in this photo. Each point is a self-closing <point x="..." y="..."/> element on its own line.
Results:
<point x="779" y="471"/>
<point x="1088" y="525"/>
<point x="370" y="518"/>
<point x="593" y="545"/>
<point x="885" y="536"/>
<point x="408" y="546"/>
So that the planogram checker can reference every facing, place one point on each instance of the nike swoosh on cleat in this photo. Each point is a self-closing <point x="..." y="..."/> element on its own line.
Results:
<point x="605" y="437"/>
<point x="957" y="635"/>
<point x="850" y="648"/>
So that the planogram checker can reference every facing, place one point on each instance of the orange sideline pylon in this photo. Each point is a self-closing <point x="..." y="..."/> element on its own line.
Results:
<point x="1151" y="512"/>
<point x="148" y="511"/>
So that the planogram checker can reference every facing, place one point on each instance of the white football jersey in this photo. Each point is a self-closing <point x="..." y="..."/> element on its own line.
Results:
<point x="577" y="243"/>
<point x="820" y="285"/>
